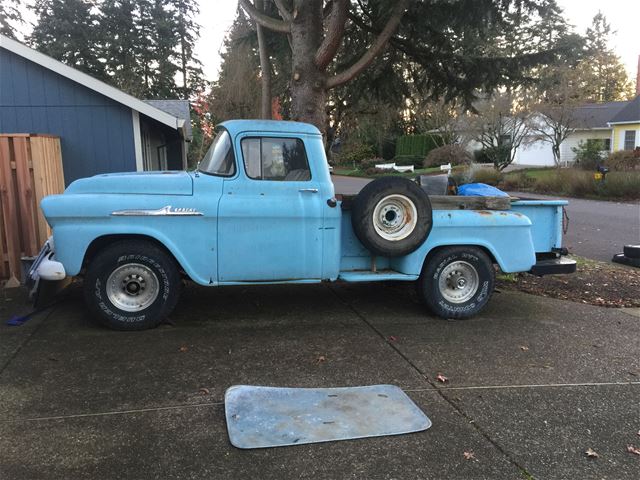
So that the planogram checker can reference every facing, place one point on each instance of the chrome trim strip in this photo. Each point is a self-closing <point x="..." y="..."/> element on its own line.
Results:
<point x="167" y="211"/>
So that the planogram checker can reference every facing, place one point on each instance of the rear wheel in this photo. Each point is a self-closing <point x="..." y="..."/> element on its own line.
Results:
<point x="457" y="282"/>
<point x="132" y="285"/>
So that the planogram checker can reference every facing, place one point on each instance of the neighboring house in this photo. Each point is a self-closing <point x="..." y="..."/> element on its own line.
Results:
<point x="102" y="129"/>
<point x="592" y="123"/>
<point x="625" y="127"/>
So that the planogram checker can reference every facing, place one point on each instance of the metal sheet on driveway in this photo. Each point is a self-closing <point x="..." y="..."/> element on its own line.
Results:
<point x="261" y="417"/>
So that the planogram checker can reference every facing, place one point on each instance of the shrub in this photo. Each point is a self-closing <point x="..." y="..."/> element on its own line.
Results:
<point x="576" y="183"/>
<point x="589" y="154"/>
<point x="624" y="160"/>
<point x="499" y="156"/>
<point x="454" y="154"/>
<point x="517" y="181"/>
<point x="354" y="154"/>
<point x="480" y="156"/>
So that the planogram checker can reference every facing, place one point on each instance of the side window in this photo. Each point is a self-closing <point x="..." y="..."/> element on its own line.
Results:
<point x="282" y="159"/>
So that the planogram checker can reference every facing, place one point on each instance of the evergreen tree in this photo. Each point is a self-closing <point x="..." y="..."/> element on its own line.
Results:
<point x="10" y="17"/>
<point x="67" y="30"/>
<point x="606" y="76"/>
<point x="187" y="33"/>
<point x="120" y="44"/>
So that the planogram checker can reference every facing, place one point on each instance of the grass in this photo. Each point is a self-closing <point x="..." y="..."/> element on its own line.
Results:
<point x="572" y="182"/>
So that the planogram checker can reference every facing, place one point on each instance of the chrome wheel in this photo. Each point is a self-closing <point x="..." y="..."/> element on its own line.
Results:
<point x="458" y="282"/>
<point x="395" y="217"/>
<point x="132" y="287"/>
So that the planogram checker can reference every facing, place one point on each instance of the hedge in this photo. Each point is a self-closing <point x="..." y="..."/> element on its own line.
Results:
<point x="416" y="144"/>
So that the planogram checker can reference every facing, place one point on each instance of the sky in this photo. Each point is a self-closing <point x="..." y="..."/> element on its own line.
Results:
<point x="216" y="17"/>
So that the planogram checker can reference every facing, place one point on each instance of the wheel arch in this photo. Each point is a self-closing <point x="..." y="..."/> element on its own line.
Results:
<point x="99" y="243"/>
<point x="438" y="248"/>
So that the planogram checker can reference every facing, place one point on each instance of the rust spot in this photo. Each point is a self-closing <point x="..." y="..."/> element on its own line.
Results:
<point x="484" y="212"/>
<point x="518" y="214"/>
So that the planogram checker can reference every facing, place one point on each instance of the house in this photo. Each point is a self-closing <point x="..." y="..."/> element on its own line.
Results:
<point x="592" y="122"/>
<point x="625" y="126"/>
<point x="101" y="128"/>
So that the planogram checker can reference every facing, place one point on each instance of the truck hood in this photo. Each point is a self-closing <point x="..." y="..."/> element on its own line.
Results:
<point x="142" y="183"/>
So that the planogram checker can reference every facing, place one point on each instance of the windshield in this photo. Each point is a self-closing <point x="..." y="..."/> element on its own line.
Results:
<point x="219" y="159"/>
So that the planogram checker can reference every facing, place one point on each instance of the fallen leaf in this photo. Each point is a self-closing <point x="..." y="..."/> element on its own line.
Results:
<point x="469" y="456"/>
<point x="633" y="449"/>
<point x="591" y="453"/>
<point x="442" y="378"/>
<point x="204" y="391"/>
<point x="393" y="339"/>
<point x="321" y="359"/>
<point x="524" y="348"/>
<point x="183" y="348"/>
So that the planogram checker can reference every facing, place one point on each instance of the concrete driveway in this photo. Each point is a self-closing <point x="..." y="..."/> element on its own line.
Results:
<point x="534" y="383"/>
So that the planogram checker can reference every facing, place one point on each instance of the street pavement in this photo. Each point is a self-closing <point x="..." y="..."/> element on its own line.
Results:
<point x="597" y="229"/>
<point x="533" y="383"/>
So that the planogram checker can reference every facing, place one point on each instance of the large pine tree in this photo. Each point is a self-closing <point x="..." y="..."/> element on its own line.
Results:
<point x="10" y="17"/>
<point x="605" y="74"/>
<point x="67" y="30"/>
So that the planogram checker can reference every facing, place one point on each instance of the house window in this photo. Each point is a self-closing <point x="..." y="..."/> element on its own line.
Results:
<point x="607" y="144"/>
<point x="630" y="140"/>
<point x="275" y="159"/>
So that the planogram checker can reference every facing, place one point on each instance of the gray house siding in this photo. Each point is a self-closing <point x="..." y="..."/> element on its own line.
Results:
<point x="96" y="132"/>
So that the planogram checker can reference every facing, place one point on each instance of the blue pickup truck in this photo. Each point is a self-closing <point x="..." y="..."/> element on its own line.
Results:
<point x="261" y="208"/>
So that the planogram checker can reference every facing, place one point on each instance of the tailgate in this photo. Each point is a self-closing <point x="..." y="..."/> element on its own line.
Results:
<point x="546" y="222"/>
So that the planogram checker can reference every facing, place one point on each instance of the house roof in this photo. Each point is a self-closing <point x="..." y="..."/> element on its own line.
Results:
<point x="177" y="108"/>
<point x="597" y="115"/>
<point x="629" y="114"/>
<point x="94" y="84"/>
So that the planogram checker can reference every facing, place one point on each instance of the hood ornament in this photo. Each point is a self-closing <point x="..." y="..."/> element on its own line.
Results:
<point x="167" y="211"/>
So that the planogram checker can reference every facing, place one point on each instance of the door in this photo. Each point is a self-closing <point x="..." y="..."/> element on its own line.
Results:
<point x="270" y="216"/>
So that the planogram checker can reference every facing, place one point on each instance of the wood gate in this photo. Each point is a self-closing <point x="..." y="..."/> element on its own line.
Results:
<point x="30" y="169"/>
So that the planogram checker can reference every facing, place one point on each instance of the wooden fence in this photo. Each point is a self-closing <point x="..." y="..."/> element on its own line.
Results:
<point x="30" y="169"/>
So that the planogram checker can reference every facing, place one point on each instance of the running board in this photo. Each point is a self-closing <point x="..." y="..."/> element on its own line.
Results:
<point x="378" y="276"/>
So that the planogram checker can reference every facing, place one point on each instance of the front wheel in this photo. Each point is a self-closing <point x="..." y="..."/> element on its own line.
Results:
<point x="457" y="282"/>
<point x="132" y="285"/>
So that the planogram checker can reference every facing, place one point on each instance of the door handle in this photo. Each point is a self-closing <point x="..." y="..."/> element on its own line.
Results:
<point x="310" y="190"/>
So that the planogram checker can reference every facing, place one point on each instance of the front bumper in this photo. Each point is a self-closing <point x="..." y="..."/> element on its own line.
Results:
<point x="45" y="266"/>
<point x="553" y="266"/>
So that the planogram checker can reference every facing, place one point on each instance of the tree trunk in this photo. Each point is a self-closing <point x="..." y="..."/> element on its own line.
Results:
<point x="308" y="82"/>
<point x="265" y="69"/>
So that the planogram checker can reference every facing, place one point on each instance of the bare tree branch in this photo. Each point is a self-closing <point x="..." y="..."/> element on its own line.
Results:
<point x="265" y="20"/>
<point x="283" y="10"/>
<point x="335" y="31"/>
<point x="376" y="47"/>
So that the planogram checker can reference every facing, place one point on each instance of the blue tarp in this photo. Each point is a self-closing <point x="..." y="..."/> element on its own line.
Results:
<point x="480" y="190"/>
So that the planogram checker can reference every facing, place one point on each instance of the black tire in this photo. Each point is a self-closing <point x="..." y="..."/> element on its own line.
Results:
<point x="444" y="261"/>
<point x="399" y="198"/>
<point x="632" y="251"/>
<point x="145" y="272"/>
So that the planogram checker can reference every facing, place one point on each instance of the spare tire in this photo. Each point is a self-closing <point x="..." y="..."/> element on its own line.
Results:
<point x="391" y="216"/>
<point x="632" y="251"/>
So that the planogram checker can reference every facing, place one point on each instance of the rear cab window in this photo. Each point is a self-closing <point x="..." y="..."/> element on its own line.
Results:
<point x="275" y="159"/>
